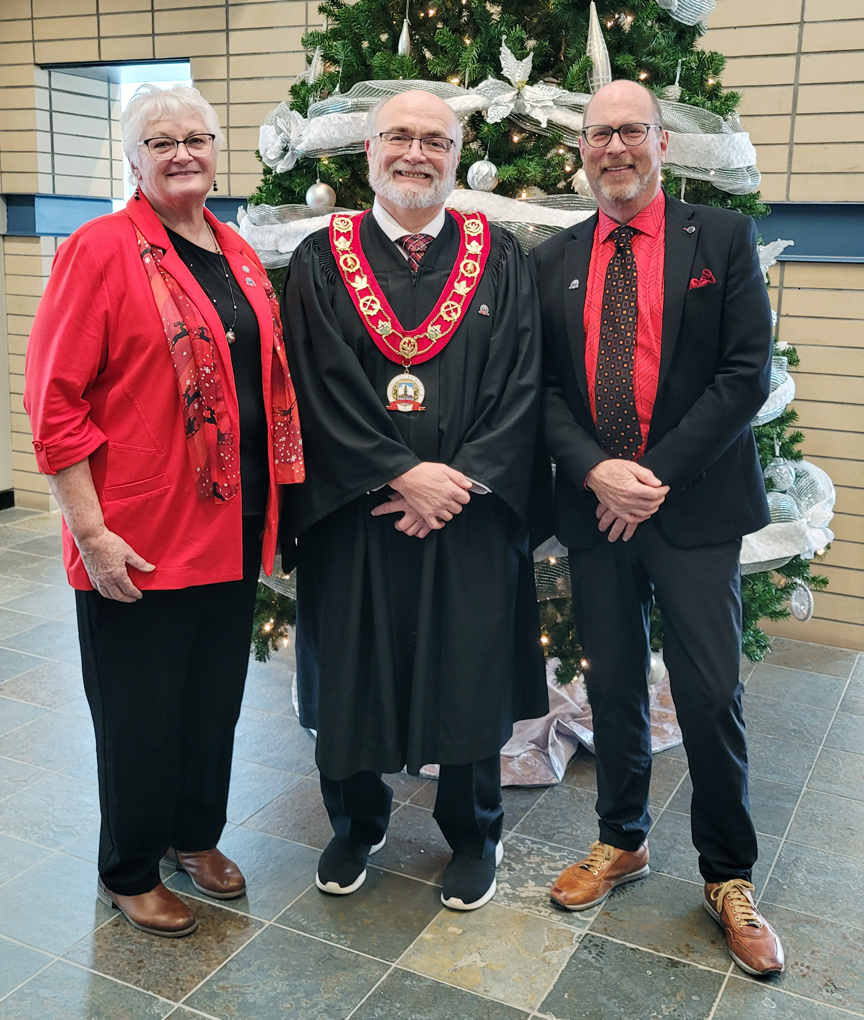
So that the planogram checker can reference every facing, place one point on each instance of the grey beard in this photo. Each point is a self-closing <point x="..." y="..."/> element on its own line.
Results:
<point x="616" y="194"/>
<point x="383" y="183"/>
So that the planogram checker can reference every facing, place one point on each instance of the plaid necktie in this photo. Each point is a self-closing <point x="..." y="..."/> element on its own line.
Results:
<point x="415" y="245"/>
<point x="615" y="412"/>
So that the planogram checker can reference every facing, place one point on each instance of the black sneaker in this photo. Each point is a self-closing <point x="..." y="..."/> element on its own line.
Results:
<point x="342" y="866"/>
<point x="469" y="882"/>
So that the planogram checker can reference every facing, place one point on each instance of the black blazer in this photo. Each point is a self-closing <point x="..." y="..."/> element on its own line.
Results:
<point x="714" y="376"/>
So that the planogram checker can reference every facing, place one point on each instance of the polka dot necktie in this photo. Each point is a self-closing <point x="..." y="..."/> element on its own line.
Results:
<point x="415" y="245"/>
<point x="614" y="401"/>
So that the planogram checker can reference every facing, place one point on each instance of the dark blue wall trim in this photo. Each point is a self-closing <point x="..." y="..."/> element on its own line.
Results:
<point x="822" y="231"/>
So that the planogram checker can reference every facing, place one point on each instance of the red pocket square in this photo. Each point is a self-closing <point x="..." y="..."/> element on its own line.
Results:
<point x="706" y="278"/>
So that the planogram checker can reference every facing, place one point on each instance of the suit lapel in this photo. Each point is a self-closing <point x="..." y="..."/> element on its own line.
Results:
<point x="682" y="235"/>
<point x="577" y="258"/>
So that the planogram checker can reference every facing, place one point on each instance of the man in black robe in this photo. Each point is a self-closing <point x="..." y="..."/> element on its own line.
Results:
<point x="417" y="626"/>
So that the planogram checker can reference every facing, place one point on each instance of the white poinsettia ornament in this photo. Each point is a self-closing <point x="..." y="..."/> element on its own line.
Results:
<point x="535" y="101"/>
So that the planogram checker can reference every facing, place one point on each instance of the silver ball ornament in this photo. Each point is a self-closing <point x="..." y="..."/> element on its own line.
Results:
<point x="801" y="602"/>
<point x="483" y="175"/>
<point x="781" y="473"/>
<point x="320" y="196"/>
<point x="657" y="668"/>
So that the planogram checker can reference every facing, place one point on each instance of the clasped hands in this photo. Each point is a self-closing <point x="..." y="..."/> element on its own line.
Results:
<point x="428" y="496"/>
<point x="628" y="494"/>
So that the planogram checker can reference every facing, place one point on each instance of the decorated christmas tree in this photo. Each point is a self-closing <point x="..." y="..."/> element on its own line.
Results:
<point x="519" y="79"/>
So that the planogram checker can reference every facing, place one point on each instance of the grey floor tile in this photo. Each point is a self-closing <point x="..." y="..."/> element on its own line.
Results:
<point x="605" y="980"/>
<point x="14" y="587"/>
<point x="501" y="953"/>
<point x="49" y="684"/>
<point x="771" y="804"/>
<point x="13" y="514"/>
<point x="45" y="523"/>
<point x="298" y="815"/>
<point x="414" y="845"/>
<point x="78" y="706"/>
<point x="407" y="787"/>
<point x="17" y="856"/>
<point x="665" y="915"/>
<point x="526" y="874"/>
<point x="52" y="811"/>
<point x="249" y="717"/>
<point x="45" y="545"/>
<point x="796" y="685"/>
<point x="852" y="704"/>
<point x="13" y="623"/>
<point x="811" y="657"/>
<point x="673" y="853"/>
<point x="846" y="733"/>
<point x="581" y="771"/>
<point x="778" y="760"/>
<point x="84" y="768"/>
<point x="64" y="992"/>
<point x="14" y="714"/>
<point x="12" y="663"/>
<point x="858" y="671"/>
<point x="281" y="974"/>
<point x="834" y="823"/>
<point x="51" y="602"/>
<point x="819" y="883"/>
<point x="85" y="847"/>
<point x="279" y="741"/>
<point x="17" y="964"/>
<point x="167" y="967"/>
<point x="276" y="871"/>
<point x="269" y="684"/>
<point x="823" y="959"/>
<point x="52" y="905"/>
<point x="16" y="776"/>
<point x="564" y="816"/>
<point x="253" y="786"/>
<point x="761" y="1001"/>
<point x="381" y="919"/>
<point x="405" y="996"/>
<point x="787" y="719"/>
<point x="56" y="639"/>
<point x="838" y="772"/>
<point x="51" y="740"/>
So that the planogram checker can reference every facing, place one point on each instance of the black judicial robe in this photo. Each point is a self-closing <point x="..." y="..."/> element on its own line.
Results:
<point x="412" y="651"/>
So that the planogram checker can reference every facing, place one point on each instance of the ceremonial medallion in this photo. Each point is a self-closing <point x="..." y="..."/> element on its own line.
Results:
<point x="388" y="334"/>
<point x="406" y="393"/>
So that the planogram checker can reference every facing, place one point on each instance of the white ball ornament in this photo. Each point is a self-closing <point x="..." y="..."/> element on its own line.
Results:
<point x="483" y="175"/>
<point x="657" y="668"/>
<point x="320" y="196"/>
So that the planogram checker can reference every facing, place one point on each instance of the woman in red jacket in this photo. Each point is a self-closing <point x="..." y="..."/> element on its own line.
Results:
<point x="164" y="417"/>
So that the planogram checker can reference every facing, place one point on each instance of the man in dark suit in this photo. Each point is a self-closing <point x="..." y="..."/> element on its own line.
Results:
<point x="657" y="333"/>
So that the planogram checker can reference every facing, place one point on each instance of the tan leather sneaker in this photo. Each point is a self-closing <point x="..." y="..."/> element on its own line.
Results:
<point x="753" y="943"/>
<point x="589" y="881"/>
<point x="212" y="873"/>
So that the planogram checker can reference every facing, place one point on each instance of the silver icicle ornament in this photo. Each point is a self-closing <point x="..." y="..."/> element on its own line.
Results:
<point x="601" y="69"/>
<point x="403" y="47"/>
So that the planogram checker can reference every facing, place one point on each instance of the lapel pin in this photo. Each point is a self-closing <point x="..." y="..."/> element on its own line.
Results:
<point x="246" y="269"/>
<point x="574" y="285"/>
<point x="250" y="282"/>
<point x="483" y="309"/>
<point x="690" y="230"/>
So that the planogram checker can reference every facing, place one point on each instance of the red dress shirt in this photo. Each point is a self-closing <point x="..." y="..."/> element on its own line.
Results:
<point x="649" y="249"/>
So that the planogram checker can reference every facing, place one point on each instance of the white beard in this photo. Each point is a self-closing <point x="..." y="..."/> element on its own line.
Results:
<point x="386" y="184"/>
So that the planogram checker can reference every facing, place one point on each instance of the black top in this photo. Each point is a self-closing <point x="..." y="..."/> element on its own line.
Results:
<point x="208" y="268"/>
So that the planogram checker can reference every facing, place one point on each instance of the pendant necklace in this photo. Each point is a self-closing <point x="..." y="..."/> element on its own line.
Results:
<point x="230" y="335"/>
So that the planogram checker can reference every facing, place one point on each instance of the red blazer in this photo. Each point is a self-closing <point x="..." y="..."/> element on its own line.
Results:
<point x="100" y="384"/>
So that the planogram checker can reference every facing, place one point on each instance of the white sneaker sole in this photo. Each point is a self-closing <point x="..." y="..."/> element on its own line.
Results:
<point x="454" y="903"/>
<point x="334" y="889"/>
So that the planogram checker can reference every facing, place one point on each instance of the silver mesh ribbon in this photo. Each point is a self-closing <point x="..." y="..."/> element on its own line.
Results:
<point x="688" y="12"/>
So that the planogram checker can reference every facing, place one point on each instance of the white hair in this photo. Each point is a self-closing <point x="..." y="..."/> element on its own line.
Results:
<point x="372" y="122"/>
<point x="150" y="102"/>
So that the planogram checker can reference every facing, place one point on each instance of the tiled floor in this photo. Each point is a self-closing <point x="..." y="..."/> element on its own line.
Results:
<point x="390" y="952"/>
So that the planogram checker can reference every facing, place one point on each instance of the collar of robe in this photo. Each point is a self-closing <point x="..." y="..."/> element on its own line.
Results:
<point x="401" y="345"/>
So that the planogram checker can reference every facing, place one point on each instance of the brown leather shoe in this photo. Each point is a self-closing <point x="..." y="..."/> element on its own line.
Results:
<point x="212" y="873"/>
<point x="589" y="881"/>
<point x="158" y="912"/>
<point x="753" y="943"/>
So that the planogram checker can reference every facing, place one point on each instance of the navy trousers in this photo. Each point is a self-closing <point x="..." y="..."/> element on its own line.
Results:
<point x="468" y="806"/>
<point x="698" y="592"/>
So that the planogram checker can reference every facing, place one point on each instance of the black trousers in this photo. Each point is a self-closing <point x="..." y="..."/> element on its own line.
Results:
<point x="164" y="677"/>
<point x="699" y="595"/>
<point x="468" y="806"/>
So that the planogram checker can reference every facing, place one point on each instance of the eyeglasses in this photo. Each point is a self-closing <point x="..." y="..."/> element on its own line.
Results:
<point x="431" y="145"/>
<point x="163" y="147"/>
<point x="600" y="135"/>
